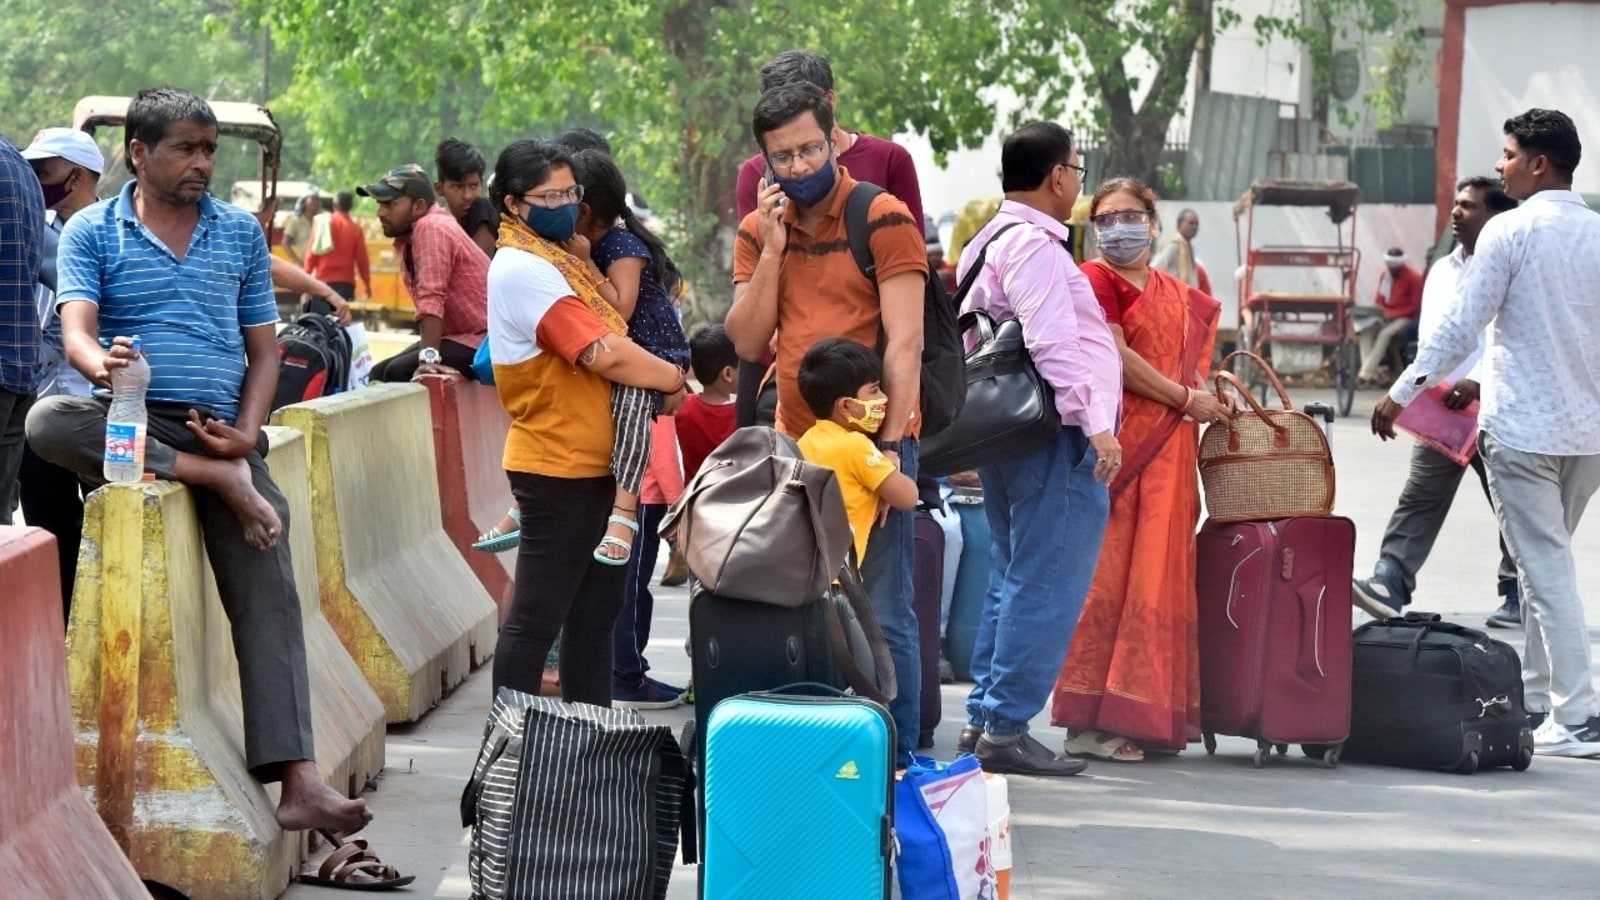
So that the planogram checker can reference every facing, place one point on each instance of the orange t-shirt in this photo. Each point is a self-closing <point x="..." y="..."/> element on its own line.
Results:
<point x="821" y="291"/>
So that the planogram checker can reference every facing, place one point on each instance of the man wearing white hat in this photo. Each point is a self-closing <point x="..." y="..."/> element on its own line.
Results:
<point x="68" y="164"/>
<point x="1400" y="298"/>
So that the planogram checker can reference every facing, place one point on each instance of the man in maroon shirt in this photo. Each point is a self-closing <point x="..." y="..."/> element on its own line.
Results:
<point x="1400" y="298"/>
<point x="871" y="159"/>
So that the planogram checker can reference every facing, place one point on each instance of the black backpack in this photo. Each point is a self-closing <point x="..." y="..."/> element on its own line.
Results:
<point x="313" y="359"/>
<point x="944" y="375"/>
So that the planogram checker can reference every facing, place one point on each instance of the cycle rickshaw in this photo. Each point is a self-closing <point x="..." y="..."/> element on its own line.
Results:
<point x="1301" y="320"/>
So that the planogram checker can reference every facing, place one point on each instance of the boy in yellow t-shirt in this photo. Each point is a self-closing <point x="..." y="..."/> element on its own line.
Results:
<point x="841" y="381"/>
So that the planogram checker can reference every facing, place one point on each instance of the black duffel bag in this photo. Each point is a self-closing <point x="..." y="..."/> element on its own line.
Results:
<point x="1430" y="694"/>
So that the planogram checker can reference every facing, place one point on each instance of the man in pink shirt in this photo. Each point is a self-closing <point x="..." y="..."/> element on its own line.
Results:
<point x="1047" y="505"/>
<point x="445" y="273"/>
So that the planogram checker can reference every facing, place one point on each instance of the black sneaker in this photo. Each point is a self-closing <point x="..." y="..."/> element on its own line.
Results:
<point x="1580" y="741"/>
<point x="1378" y="596"/>
<point x="648" y="694"/>
<point x="1509" y="615"/>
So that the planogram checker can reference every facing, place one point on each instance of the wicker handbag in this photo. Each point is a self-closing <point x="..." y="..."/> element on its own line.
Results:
<point x="1265" y="463"/>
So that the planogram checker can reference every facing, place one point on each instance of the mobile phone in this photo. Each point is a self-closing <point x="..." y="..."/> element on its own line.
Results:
<point x="771" y="178"/>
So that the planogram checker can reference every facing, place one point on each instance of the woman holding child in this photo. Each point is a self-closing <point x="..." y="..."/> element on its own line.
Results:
<point x="1131" y="679"/>
<point x="558" y="348"/>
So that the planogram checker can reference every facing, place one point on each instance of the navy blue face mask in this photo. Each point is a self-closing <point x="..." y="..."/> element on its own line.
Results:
<point x="553" y="223"/>
<point x="810" y="189"/>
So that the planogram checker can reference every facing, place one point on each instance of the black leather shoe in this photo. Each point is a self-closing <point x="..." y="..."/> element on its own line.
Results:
<point x="967" y="740"/>
<point x="1024" y="757"/>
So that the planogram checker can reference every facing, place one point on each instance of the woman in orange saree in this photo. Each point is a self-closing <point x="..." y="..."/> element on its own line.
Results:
<point x="1131" y="678"/>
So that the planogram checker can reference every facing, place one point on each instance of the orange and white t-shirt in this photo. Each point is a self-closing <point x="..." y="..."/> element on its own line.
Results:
<point x="560" y="412"/>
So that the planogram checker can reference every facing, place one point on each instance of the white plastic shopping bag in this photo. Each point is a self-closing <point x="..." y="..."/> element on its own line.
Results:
<point x="360" y="356"/>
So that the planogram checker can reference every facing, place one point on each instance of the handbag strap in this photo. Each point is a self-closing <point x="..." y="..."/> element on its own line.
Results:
<point x="887" y="686"/>
<point x="1226" y="377"/>
<point x="1272" y="376"/>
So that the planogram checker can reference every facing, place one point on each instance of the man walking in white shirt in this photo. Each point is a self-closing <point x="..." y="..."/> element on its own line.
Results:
<point x="1432" y="481"/>
<point x="1535" y="281"/>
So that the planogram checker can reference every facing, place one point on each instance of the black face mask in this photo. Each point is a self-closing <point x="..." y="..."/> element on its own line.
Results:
<point x="55" y="193"/>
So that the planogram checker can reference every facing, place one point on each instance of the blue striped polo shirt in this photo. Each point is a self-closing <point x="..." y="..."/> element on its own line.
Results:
<point x="189" y="312"/>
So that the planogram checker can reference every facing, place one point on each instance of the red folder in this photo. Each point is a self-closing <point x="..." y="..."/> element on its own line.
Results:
<point x="1450" y="431"/>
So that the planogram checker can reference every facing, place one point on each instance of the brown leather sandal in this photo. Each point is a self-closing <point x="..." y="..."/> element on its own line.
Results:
<point x="352" y="866"/>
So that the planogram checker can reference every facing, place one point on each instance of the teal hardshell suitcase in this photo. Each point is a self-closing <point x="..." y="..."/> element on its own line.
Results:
<point x="799" y="798"/>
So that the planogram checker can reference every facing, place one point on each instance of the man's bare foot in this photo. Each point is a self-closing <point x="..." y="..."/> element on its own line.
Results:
<point x="235" y="487"/>
<point x="309" y="803"/>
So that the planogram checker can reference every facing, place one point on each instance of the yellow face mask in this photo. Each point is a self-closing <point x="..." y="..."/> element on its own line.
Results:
<point x="872" y="415"/>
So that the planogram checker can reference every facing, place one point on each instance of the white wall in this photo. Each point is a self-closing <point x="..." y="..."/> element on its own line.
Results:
<point x="1526" y="55"/>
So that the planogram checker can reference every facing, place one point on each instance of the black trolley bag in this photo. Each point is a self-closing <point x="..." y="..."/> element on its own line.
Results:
<point x="1431" y="694"/>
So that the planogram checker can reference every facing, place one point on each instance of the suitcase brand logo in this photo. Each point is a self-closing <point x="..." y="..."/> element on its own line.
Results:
<point x="848" y="772"/>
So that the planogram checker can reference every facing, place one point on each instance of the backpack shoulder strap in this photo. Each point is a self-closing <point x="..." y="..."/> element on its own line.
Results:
<point x="856" y="209"/>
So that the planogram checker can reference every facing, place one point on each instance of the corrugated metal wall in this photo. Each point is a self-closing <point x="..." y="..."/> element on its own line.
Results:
<point x="1229" y="139"/>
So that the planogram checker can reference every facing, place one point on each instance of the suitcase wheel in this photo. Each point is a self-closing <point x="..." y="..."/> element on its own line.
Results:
<point x="1283" y="749"/>
<point x="1328" y="753"/>
<point x="1211" y="744"/>
<point x="1524" y="759"/>
<point x="1469" y="763"/>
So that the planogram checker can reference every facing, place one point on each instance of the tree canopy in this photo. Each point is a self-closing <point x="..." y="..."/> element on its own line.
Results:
<point x="361" y="87"/>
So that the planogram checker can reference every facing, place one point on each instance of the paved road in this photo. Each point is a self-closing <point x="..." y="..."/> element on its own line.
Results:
<point x="1192" y="825"/>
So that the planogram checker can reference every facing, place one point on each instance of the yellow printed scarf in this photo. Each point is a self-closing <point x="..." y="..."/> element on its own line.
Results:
<point x="584" y="284"/>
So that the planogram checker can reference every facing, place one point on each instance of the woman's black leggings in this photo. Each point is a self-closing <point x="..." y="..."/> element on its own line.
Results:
<point x="561" y="588"/>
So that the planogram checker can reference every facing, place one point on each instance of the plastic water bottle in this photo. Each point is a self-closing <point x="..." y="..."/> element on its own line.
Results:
<point x="126" y="420"/>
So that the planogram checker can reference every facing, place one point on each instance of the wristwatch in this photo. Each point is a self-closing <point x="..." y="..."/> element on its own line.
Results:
<point x="891" y="446"/>
<point x="429" y="356"/>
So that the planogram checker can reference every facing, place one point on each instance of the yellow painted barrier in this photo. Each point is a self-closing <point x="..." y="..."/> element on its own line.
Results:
<point x="396" y="591"/>
<point x="385" y="344"/>
<point x="155" y="693"/>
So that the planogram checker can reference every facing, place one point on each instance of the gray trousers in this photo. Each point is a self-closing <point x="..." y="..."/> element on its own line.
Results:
<point x="1539" y="500"/>
<point x="256" y="586"/>
<point x="1420" y="513"/>
<point x="13" y="411"/>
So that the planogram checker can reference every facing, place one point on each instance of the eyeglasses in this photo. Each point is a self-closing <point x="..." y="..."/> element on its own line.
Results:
<point x="1083" y="171"/>
<point x="810" y="153"/>
<point x="551" y="199"/>
<point x="1121" y="217"/>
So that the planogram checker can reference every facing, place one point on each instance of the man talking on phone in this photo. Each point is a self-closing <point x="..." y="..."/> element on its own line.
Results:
<point x="815" y="291"/>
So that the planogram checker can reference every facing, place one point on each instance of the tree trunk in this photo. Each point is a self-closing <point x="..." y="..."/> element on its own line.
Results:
<point x="710" y="163"/>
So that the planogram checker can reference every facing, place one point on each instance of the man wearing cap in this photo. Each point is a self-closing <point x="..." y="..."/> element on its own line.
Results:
<point x="21" y="219"/>
<point x="445" y="273"/>
<point x="1400" y="298"/>
<point x="68" y="164"/>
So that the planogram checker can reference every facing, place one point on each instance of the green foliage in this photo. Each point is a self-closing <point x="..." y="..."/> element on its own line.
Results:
<point x="1325" y="24"/>
<point x="361" y="86"/>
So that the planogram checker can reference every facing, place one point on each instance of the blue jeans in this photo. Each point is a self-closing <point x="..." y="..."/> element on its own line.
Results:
<point x="1047" y="517"/>
<point x="887" y="574"/>
<point x="632" y="631"/>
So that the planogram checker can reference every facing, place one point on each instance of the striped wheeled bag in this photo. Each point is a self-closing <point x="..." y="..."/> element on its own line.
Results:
<point x="574" y="801"/>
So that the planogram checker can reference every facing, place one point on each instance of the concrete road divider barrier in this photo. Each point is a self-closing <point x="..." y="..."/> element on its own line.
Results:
<point x="156" y="692"/>
<point x="396" y="591"/>
<point x="155" y="696"/>
<point x="51" y="842"/>
<point x="469" y="438"/>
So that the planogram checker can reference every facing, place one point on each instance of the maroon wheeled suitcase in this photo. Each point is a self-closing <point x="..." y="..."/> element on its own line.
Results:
<point x="1275" y="649"/>
<point x="927" y="583"/>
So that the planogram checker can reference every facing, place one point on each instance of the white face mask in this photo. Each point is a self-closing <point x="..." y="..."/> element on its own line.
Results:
<point x="1123" y="244"/>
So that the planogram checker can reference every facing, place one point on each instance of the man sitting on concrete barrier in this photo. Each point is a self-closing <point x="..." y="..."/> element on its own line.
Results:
<point x="189" y="275"/>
